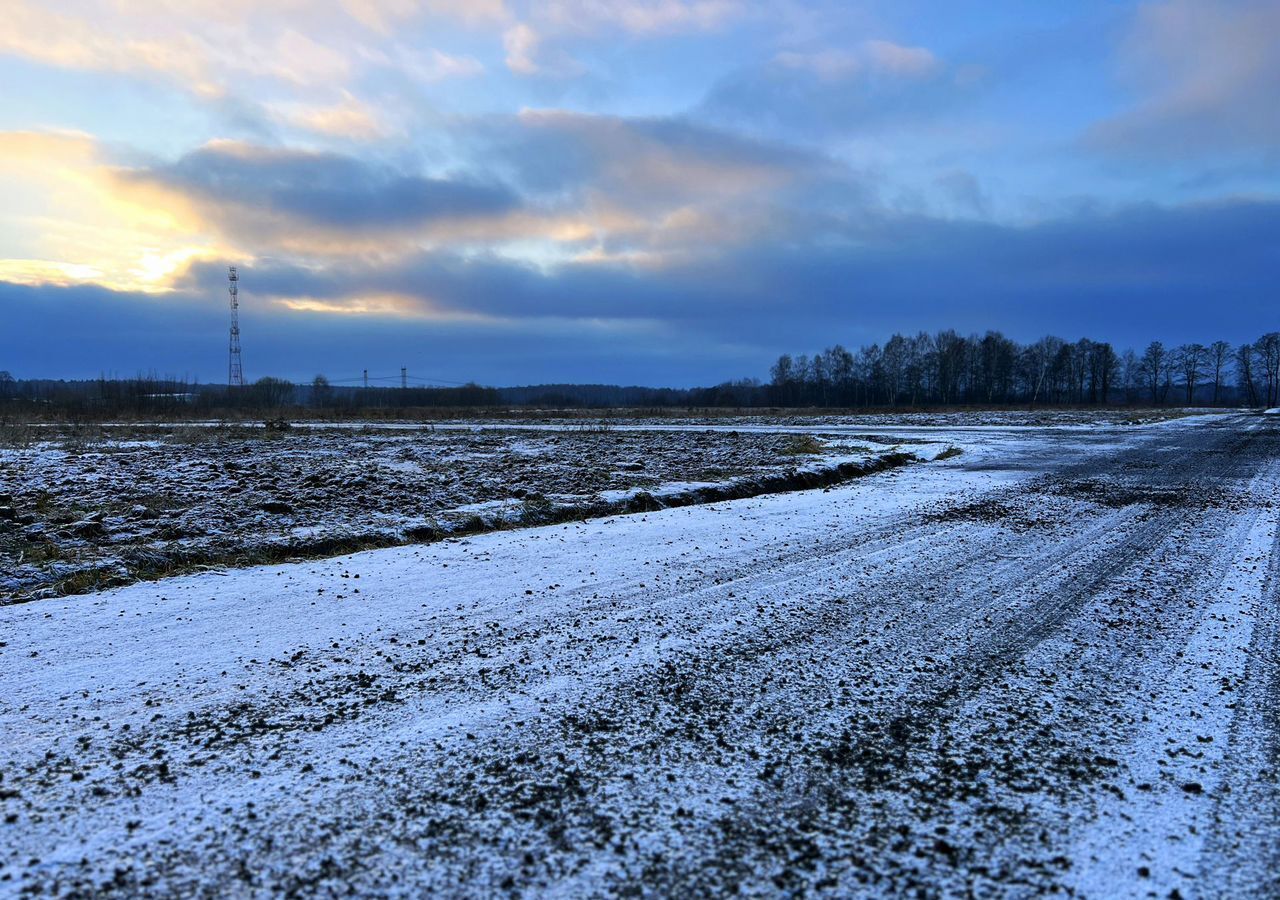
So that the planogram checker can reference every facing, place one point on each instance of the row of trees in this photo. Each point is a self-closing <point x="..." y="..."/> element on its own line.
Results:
<point x="946" y="368"/>
<point x="940" y="369"/>
<point x="150" y="394"/>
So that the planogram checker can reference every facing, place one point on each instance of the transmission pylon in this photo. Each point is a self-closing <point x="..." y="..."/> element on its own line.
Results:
<point x="235" y="373"/>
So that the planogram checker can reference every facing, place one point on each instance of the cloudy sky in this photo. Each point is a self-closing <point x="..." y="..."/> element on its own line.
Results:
<point x="663" y="192"/>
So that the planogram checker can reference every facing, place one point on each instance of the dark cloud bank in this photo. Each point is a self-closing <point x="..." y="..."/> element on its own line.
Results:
<point x="1186" y="273"/>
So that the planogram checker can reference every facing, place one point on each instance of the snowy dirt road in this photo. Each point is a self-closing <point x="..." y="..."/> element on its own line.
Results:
<point x="1049" y="664"/>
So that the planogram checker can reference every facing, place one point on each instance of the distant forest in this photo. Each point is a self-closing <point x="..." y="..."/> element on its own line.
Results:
<point x="947" y="369"/>
<point x="944" y="369"/>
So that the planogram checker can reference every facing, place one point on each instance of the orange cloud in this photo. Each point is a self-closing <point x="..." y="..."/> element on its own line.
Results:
<point x="401" y="306"/>
<point x="348" y="118"/>
<point x="69" y="220"/>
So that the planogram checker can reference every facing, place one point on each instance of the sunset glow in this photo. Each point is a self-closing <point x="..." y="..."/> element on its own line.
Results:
<point x="734" y="175"/>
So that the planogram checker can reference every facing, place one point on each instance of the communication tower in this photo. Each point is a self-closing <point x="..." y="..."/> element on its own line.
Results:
<point x="235" y="373"/>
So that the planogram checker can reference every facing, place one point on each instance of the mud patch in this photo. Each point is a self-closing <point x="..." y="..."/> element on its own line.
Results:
<point x="990" y="511"/>
<point x="1117" y="495"/>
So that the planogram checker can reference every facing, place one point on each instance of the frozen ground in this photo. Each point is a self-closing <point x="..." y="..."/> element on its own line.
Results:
<point x="78" y="513"/>
<point x="1049" y="664"/>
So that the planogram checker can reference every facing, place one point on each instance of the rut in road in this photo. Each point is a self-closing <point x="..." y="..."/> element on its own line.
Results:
<point x="1244" y="849"/>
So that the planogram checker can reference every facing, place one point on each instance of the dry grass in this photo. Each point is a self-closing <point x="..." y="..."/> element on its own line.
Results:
<point x="802" y="445"/>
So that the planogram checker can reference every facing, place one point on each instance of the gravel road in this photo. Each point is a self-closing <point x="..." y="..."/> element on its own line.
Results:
<point x="1051" y="664"/>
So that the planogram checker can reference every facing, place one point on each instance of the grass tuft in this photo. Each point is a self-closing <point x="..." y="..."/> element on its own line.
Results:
<point x="802" y="445"/>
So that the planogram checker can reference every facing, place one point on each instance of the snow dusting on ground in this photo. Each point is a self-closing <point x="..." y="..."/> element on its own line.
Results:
<point x="1049" y="663"/>
<point x="79" y="513"/>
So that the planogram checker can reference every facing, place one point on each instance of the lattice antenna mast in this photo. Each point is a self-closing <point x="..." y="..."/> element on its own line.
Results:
<point x="235" y="373"/>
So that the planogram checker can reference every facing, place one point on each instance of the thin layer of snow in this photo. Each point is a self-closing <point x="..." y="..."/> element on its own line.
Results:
<point x="662" y="696"/>
<point x="1184" y="738"/>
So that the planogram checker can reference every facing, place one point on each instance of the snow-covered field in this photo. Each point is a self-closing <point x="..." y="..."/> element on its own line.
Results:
<point x="78" y="514"/>
<point x="1049" y="663"/>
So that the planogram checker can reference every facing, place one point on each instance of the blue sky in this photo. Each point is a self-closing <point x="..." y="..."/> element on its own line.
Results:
<point x="666" y="192"/>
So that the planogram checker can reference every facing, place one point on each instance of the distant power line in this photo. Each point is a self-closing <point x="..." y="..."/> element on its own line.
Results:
<point x="401" y="379"/>
<point x="235" y="371"/>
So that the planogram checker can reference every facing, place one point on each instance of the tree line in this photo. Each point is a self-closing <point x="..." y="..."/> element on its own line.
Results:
<point x="934" y="370"/>
<point x="149" y="394"/>
<point x="948" y="369"/>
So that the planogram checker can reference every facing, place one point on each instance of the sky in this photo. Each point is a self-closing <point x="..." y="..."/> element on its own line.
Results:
<point x="661" y="192"/>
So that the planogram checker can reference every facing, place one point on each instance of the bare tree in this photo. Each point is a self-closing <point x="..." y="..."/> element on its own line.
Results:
<point x="1152" y="368"/>
<point x="895" y="367"/>
<point x="1189" y="359"/>
<point x="1267" y="351"/>
<point x="783" y="379"/>
<point x="1103" y="364"/>
<point x="997" y="357"/>
<point x="820" y="377"/>
<point x="321" y="392"/>
<point x="802" y="368"/>
<point x="1039" y="359"/>
<point x="918" y="368"/>
<point x="1219" y="359"/>
<point x="1131" y="374"/>
<point x="1244" y="374"/>
<point x="840" y="367"/>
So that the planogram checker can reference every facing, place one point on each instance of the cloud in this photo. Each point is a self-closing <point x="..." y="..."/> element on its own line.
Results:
<point x="47" y="271"/>
<point x="370" y="184"/>
<point x="382" y="16"/>
<point x="545" y="187"/>
<point x="963" y="192"/>
<point x="651" y="190"/>
<point x="348" y="118"/>
<point x="1133" y="272"/>
<point x="1129" y="276"/>
<point x="186" y="47"/>
<point x="434" y="66"/>
<point x="895" y="59"/>
<point x="872" y="59"/>
<point x="44" y="147"/>
<point x="642" y="17"/>
<point x="831" y="91"/>
<point x="528" y="55"/>
<point x="366" y="304"/>
<point x="1204" y="75"/>
<point x="521" y="43"/>
<point x="186" y="335"/>
<point x="215" y="50"/>
<point x="65" y="40"/>
<point x="270" y="192"/>
<point x="655" y="160"/>
<point x="533" y="46"/>
<point x="66" y="219"/>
